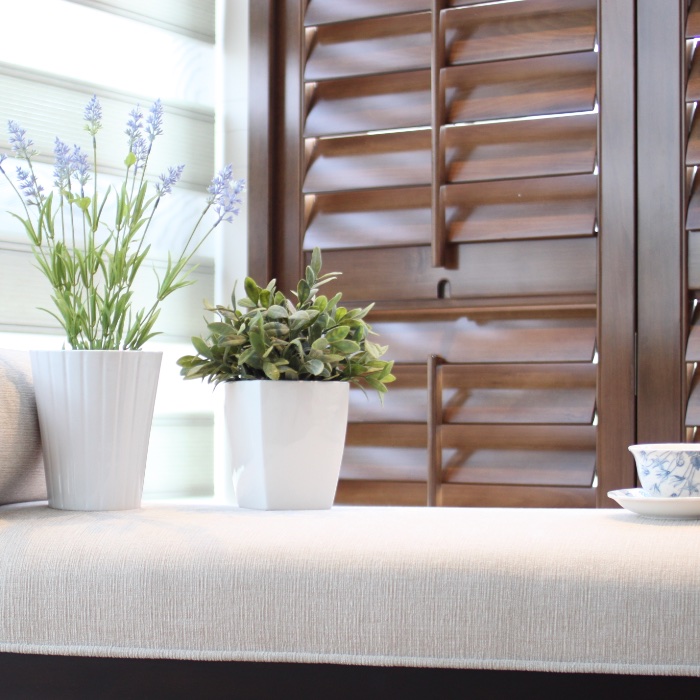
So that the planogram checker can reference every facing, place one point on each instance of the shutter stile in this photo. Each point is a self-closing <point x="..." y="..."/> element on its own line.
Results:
<point x="692" y="222"/>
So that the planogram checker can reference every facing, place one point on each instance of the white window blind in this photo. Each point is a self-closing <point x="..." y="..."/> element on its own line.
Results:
<point x="128" y="54"/>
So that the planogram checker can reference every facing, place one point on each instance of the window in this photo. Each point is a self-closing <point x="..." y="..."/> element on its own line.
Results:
<point x="129" y="53"/>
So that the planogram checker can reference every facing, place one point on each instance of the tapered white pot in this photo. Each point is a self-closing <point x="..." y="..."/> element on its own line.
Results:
<point x="286" y="440"/>
<point x="95" y="413"/>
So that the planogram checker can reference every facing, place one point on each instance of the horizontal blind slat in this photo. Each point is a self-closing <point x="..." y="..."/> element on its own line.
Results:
<point x="180" y="316"/>
<point x="195" y="18"/>
<point x="48" y="107"/>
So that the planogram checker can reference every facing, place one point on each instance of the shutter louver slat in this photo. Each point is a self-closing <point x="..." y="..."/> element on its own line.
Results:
<point x="519" y="455"/>
<point x="369" y="46"/>
<point x="536" y="148"/>
<point x="404" y="404"/>
<point x="326" y="11"/>
<point x="693" y="214"/>
<point x="515" y="30"/>
<point x="692" y="415"/>
<point x="353" y="105"/>
<point x="553" y="337"/>
<point x="366" y="162"/>
<point x="692" y="29"/>
<point x="391" y="462"/>
<point x="693" y="152"/>
<point x="694" y="260"/>
<point x="519" y="393"/>
<point x="520" y="88"/>
<point x="369" y="219"/>
<point x="531" y="208"/>
<point x="693" y="88"/>
<point x="693" y="347"/>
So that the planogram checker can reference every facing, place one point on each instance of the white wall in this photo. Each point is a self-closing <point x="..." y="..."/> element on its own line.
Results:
<point x="232" y="147"/>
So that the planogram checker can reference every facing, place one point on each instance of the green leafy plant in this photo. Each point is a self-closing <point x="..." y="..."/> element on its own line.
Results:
<point x="271" y="337"/>
<point x="92" y="263"/>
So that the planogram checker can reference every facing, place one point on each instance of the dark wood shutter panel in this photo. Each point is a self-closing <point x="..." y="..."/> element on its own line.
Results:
<point x="446" y="156"/>
<point x="517" y="216"/>
<point x="692" y="225"/>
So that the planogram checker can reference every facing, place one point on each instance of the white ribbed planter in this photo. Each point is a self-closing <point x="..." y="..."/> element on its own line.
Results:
<point x="286" y="441"/>
<point x="95" y="413"/>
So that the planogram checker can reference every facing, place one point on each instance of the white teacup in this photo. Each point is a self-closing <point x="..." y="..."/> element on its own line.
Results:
<point x="668" y="470"/>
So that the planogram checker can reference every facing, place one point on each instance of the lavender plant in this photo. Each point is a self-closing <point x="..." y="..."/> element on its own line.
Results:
<point x="91" y="263"/>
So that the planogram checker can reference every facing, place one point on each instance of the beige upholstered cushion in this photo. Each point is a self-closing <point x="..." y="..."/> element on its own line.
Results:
<point x="545" y="590"/>
<point x="21" y="466"/>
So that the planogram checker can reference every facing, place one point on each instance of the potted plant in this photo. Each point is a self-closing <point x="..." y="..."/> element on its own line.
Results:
<point x="95" y="400"/>
<point x="286" y="366"/>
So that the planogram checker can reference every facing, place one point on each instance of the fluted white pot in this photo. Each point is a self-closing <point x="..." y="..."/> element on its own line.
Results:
<point x="95" y="413"/>
<point x="286" y="441"/>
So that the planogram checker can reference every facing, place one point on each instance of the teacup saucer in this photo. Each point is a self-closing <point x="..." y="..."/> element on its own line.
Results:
<point x="642" y="503"/>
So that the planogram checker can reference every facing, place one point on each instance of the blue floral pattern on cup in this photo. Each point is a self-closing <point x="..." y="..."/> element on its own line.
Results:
<point x="668" y="470"/>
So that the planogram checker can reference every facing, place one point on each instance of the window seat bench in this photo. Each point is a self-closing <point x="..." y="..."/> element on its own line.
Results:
<point x="569" y="591"/>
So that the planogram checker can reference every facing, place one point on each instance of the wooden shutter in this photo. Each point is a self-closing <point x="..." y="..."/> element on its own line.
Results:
<point x="450" y="168"/>
<point x="690" y="310"/>
<point x="668" y="277"/>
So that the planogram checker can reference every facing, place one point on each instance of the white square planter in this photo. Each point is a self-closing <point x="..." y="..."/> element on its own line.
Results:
<point x="286" y="440"/>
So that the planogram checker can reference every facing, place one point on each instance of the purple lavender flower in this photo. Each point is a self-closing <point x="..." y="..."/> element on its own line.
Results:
<point x="154" y="121"/>
<point x="134" y="125"/>
<point x="31" y="189"/>
<point x="62" y="164"/>
<point x="21" y="145"/>
<point x="80" y="167"/>
<point x="93" y="116"/>
<point x="167" y="182"/>
<point x="224" y="194"/>
<point x="140" y="148"/>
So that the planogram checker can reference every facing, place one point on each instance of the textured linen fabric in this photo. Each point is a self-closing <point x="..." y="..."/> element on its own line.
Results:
<point x="547" y="590"/>
<point x="21" y="464"/>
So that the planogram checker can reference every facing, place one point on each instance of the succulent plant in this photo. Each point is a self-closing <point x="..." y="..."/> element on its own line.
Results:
<point x="271" y="337"/>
